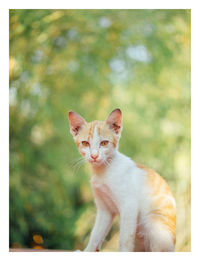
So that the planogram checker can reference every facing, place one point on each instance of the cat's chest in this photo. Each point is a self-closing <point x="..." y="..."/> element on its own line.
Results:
<point x="105" y="195"/>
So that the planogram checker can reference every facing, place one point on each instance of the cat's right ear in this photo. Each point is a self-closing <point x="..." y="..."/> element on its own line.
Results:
<point x="76" y="123"/>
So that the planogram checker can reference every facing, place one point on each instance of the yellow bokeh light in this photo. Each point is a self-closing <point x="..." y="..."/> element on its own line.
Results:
<point x="38" y="239"/>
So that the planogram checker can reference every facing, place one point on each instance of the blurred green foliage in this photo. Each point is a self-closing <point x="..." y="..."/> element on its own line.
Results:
<point x="92" y="61"/>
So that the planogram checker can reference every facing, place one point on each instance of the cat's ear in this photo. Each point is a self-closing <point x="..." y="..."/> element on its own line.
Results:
<point x="76" y="123"/>
<point x="114" y="121"/>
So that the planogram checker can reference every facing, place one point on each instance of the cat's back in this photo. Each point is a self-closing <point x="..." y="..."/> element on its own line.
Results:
<point x="156" y="186"/>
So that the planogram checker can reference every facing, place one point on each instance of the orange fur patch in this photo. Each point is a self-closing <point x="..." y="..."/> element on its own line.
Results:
<point x="86" y="133"/>
<point x="163" y="209"/>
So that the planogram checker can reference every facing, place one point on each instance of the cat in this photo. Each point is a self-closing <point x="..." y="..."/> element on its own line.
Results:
<point x="138" y="194"/>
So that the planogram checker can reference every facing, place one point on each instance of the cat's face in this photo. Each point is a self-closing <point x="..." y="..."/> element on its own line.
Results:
<point x="97" y="140"/>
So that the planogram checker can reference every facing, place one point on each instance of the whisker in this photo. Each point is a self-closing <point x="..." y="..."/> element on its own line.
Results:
<point x="74" y="162"/>
<point x="78" y="164"/>
<point x="107" y="163"/>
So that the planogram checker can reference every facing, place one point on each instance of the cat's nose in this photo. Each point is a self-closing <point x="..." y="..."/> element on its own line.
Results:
<point x="94" y="156"/>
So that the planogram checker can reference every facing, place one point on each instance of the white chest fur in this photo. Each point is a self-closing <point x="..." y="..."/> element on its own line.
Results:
<point x="104" y="197"/>
<point x="119" y="185"/>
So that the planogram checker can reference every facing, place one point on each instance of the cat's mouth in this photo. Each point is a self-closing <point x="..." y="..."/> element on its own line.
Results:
<point x="95" y="161"/>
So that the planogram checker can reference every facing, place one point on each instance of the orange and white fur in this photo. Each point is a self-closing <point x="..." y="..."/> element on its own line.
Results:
<point x="139" y="195"/>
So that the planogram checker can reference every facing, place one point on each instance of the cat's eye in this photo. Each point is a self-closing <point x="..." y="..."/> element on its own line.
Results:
<point x="85" y="143"/>
<point x="104" y="143"/>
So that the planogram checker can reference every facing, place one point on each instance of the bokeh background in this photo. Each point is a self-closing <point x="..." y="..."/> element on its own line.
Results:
<point x="92" y="61"/>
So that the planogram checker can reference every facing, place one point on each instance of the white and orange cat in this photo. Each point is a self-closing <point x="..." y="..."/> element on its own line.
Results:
<point x="139" y="195"/>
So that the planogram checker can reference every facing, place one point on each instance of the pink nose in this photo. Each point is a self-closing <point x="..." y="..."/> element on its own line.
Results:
<point x="94" y="156"/>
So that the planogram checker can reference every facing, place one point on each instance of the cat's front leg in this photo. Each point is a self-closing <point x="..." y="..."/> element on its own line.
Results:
<point x="102" y="226"/>
<point x="128" y="223"/>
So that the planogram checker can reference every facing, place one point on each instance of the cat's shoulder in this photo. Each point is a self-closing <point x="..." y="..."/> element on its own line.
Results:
<point x="148" y="171"/>
<point x="154" y="179"/>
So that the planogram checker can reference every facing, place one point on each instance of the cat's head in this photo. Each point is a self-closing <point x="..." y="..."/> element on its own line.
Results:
<point x="97" y="141"/>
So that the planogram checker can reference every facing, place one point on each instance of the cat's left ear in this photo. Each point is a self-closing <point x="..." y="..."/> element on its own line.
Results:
<point x="114" y="121"/>
<point x="76" y="123"/>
